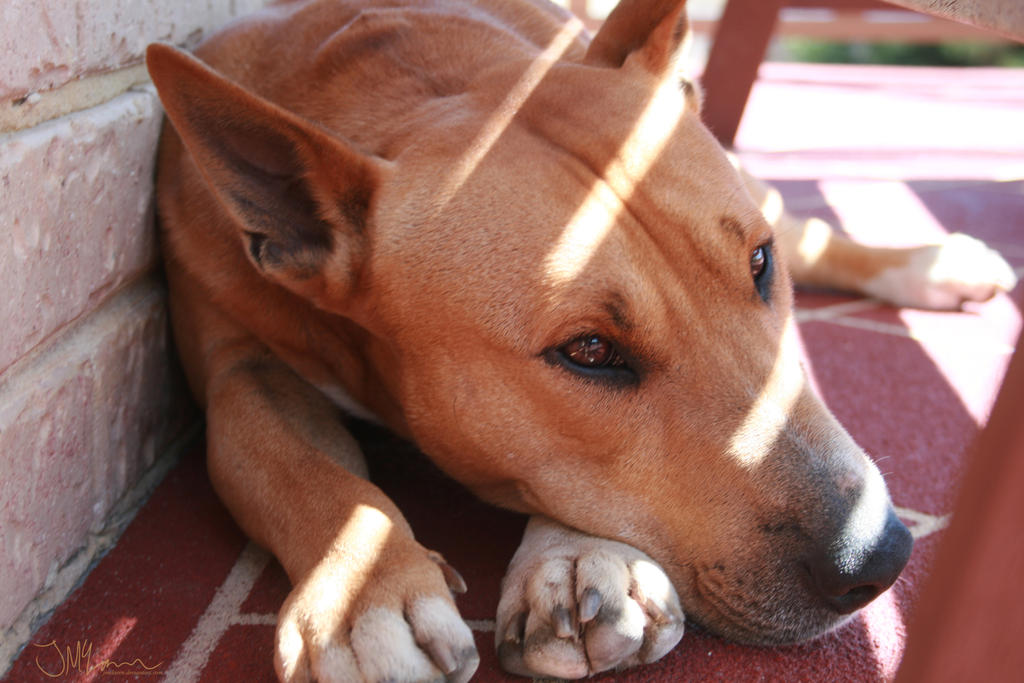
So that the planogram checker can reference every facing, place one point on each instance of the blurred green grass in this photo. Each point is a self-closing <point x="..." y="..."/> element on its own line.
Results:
<point x="954" y="53"/>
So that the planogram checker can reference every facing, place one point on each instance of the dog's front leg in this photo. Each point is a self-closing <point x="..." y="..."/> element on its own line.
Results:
<point x="574" y="605"/>
<point x="369" y="603"/>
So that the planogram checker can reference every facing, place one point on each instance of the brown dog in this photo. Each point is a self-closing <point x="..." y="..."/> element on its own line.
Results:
<point x="525" y="252"/>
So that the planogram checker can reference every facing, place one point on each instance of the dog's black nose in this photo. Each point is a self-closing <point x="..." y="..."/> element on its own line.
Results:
<point x="852" y="573"/>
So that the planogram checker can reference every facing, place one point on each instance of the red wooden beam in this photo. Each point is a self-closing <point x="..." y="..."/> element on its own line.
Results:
<point x="744" y="32"/>
<point x="969" y="623"/>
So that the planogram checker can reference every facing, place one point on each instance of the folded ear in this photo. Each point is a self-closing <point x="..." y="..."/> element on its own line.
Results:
<point x="653" y="30"/>
<point x="300" y="196"/>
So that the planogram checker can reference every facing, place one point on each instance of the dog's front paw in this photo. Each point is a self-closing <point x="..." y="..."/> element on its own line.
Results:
<point x="391" y="623"/>
<point x="573" y="605"/>
<point x="943" y="276"/>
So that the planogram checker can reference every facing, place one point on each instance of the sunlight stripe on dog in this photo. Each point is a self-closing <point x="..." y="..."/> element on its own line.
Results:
<point x="463" y="167"/>
<point x="597" y="213"/>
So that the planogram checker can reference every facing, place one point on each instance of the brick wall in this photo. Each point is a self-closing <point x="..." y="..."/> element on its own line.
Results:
<point x="90" y="401"/>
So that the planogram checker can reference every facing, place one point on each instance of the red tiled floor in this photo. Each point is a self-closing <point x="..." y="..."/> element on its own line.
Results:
<point x="897" y="406"/>
<point x="233" y="659"/>
<point x="989" y="211"/>
<point x="895" y="154"/>
<point x="145" y="597"/>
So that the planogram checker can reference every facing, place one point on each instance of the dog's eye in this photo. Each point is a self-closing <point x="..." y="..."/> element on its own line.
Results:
<point x="761" y="270"/>
<point x="758" y="262"/>
<point x="592" y="351"/>
<point x="593" y="357"/>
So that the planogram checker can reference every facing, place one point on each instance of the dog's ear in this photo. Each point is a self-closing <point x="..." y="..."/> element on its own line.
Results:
<point x="653" y="30"/>
<point x="299" y="195"/>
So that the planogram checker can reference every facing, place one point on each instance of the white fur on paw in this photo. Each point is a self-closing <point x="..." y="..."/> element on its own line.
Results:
<point x="423" y="640"/>
<point x="943" y="276"/>
<point x="573" y="605"/>
<point x="439" y="630"/>
<point x="388" y="650"/>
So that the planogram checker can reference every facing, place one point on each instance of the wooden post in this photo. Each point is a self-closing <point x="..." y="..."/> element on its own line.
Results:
<point x="969" y="623"/>
<point x="740" y="43"/>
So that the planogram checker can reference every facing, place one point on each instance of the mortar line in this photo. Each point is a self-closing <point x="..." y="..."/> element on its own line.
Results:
<point x="924" y="523"/>
<point x="836" y="310"/>
<point x="254" y="619"/>
<point x="76" y="95"/>
<point x="899" y="331"/>
<point x="219" y="615"/>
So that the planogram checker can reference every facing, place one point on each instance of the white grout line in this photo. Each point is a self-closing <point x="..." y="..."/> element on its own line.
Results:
<point x="899" y="331"/>
<point x="224" y="612"/>
<point x="924" y="524"/>
<point x="219" y="615"/>
<point x="876" y="326"/>
<point x="835" y="310"/>
<point x="482" y="625"/>
<point x="254" y="620"/>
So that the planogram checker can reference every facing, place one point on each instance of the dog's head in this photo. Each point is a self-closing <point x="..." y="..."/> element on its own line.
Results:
<point x="573" y="306"/>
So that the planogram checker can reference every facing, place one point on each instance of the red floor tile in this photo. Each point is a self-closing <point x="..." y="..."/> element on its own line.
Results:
<point x="235" y="657"/>
<point x="914" y="423"/>
<point x="988" y="211"/>
<point x="145" y="596"/>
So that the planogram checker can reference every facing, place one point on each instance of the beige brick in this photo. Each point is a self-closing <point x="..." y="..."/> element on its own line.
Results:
<point x="46" y="43"/>
<point x="79" y="421"/>
<point x="77" y="210"/>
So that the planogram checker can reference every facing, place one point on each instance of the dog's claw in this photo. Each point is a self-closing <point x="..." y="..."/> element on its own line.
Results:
<point x="470" y="660"/>
<point x="515" y="629"/>
<point x="562" y="621"/>
<point x="621" y="609"/>
<point x="442" y="656"/>
<point x="456" y="584"/>
<point x="456" y="668"/>
<point x="590" y="605"/>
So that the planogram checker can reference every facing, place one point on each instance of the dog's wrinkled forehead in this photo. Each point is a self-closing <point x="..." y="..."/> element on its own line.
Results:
<point x="642" y="139"/>
<point x="590" y="161"/>
<point x="609" y="117"/>
<point x="581" y="199"/>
